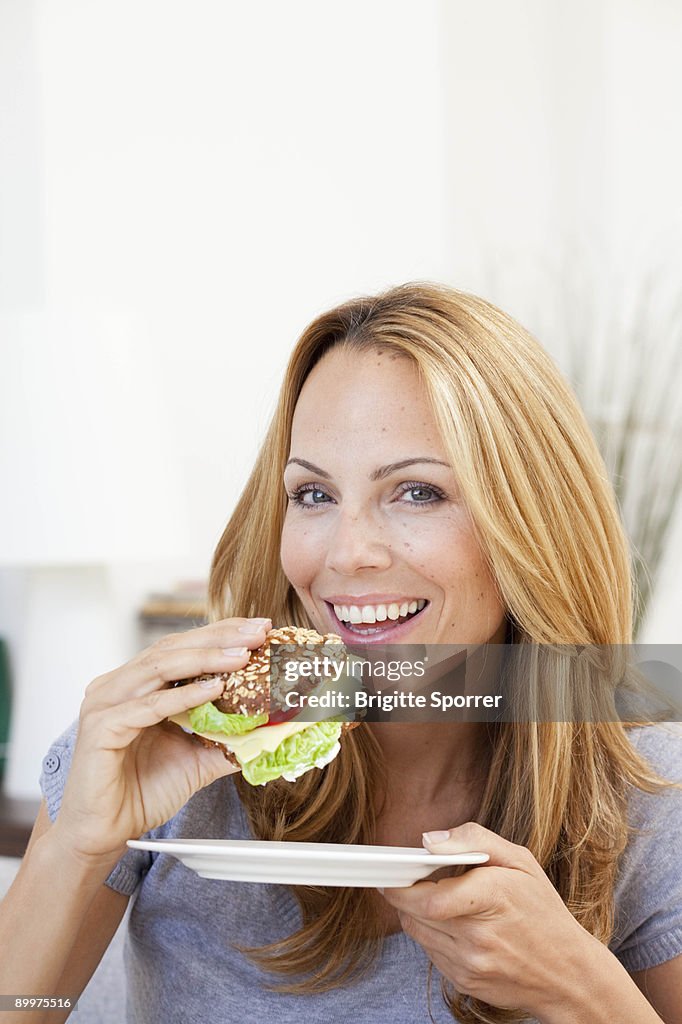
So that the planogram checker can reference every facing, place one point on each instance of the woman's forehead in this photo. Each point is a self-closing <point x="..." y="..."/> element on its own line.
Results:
<point x="365" y="419"/>
<point x="363" y="388"/>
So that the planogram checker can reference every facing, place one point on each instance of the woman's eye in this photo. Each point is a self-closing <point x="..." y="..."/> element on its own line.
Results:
<point x="297" y="496"/>
<point x="422" y="494"/>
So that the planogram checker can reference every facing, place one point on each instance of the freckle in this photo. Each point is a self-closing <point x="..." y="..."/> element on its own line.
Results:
<point x="409" y="546"/>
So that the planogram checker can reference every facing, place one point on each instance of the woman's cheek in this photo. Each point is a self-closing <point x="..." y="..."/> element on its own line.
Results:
<point x="299" y="555"/>
<point x="437" y="542"/>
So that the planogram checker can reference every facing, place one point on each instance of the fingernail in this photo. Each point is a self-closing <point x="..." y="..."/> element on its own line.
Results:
<point x="435" y="837"/>
<point x="251" y="629"/>
<point x="261" y="621"/>
<point x="235" y="652"/>
<point x="212" y="684"/>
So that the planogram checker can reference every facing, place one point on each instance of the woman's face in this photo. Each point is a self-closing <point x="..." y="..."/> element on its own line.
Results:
<point x="368" y="537"/>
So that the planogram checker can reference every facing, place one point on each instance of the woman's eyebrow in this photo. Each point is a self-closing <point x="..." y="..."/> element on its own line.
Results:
<point x="377" y="474"/>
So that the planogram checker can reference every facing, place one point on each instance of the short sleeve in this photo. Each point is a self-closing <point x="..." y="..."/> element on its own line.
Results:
<point x="648" y="893"/>
<point x="134" y="864"/>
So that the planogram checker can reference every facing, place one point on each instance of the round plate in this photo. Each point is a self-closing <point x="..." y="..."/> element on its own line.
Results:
<point x="257" y="860"/>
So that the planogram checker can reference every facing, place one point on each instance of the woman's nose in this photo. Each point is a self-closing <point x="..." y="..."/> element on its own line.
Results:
<point x="357" y="542"/>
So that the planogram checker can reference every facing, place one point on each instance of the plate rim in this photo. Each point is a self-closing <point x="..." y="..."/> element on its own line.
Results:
<point x="402" y="854"/>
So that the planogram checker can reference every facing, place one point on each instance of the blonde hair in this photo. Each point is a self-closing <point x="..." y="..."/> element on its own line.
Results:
<point x="547" y="522"/>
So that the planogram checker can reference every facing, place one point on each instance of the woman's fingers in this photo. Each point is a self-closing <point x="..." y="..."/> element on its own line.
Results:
<point x="160" y="665"/>
<point x="122" y="780"/>
<point x="472" y="837"/>
<point x="115" y="727"/>
<point x="160" y="670"/>
<point x="223" y="633"/>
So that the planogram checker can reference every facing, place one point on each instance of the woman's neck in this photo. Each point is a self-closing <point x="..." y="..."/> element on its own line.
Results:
<point x="431" y="762"/>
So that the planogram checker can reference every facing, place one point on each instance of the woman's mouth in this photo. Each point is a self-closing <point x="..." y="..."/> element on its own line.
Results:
<point x="390" y="622"/>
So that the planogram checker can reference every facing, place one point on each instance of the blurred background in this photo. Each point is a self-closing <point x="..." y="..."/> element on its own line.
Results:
<point x="184" y="187"/>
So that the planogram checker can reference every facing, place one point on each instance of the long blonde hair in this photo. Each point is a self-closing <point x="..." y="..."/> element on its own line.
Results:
<point x="547" y="522"/>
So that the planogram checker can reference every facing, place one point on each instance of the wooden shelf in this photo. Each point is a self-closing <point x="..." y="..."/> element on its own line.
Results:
<point x="16" y="823"/>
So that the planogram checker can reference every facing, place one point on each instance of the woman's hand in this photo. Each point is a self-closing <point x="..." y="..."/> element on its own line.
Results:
<point x="500" y="932"/>
<point x="131" y="770"/>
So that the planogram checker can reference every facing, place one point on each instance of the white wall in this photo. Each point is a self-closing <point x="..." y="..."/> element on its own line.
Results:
<point x="226" y="171"/>
<point x="564" y="162"/>
<point x="231" y="170"/>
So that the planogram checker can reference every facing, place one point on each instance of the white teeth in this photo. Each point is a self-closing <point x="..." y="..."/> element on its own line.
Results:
<point x="377" y="613"/>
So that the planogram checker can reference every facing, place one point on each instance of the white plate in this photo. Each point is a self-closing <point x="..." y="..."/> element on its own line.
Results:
<point x="256" y="860"/>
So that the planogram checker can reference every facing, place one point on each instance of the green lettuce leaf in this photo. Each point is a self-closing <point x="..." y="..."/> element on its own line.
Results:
<point x="295" y="754"/>
<point x="207" y="718"/>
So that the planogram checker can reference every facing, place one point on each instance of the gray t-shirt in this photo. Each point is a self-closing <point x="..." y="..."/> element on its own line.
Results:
<point x="181" y="967"/>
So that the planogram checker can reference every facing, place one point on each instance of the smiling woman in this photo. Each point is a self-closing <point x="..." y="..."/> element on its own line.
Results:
<point x="431" y="452"/>
<point x="428" y="476"/>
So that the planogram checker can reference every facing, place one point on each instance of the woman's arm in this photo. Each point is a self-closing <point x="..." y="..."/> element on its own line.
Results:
<point x="56" y="921"/>
<point x="662" y="986"/>
<point x="129" y="773"/>
<point x="598" y="990"/>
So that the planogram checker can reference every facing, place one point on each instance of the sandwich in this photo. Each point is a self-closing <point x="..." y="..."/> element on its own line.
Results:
<point x="251" y="722"/>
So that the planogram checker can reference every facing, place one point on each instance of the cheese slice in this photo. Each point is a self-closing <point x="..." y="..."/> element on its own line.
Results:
<point x="249" y="744"/>
<point x="268" y="738"/>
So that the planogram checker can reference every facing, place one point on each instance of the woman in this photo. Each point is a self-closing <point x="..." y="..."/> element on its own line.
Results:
<point x="424" y="448"/>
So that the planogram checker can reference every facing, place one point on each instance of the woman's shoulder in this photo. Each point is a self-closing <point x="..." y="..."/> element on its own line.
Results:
<point x="55" y="768"/>
<point x="648" y="891"/>
<point x="660" y="745"/>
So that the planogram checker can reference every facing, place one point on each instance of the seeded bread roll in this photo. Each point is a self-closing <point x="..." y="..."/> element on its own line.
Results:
<point x="249" y="690"/>
<point x="261" y="675"/>
<point x="260" y="686"/>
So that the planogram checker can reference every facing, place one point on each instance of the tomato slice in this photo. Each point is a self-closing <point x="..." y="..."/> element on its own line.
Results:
<point x="281" y="715"/>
